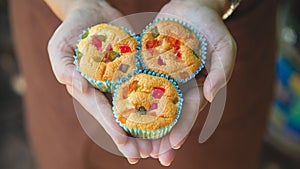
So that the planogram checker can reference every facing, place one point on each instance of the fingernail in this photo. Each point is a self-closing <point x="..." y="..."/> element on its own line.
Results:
<point x="154" y="155"/>
<point x="133" y="161"/>
<point x="212" y="95"/>
<point x="176" y="147"/>
<point x="165" y="163"/>
<point x="179" y="145"/>
<point x="77" y="84"/>
<point x="144" y="155"/>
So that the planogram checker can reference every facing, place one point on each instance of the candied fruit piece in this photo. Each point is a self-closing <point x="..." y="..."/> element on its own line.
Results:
<point x="174" y="42"/>
<point x="178" y="56"/>
<point x="79" y="54"/>
<point x="123" y="68"/>
<point x="97" y="59"/>
<point x="114" y="55"/>
<point x="101" y="37"/>
<point x="155" y="32"/>
<point x="97" y="43"/>
<point x="153" y="106"/>
<point x="160" y="61"/>
<point x="85" y="34"/>
<point x="175" y="101"/>
<point x="122" y="119"/>
<point x="125" y="49"/>
<point x="152" y="44"/>
<point x="133" y="86"/>
<point x="109" y="47"/>
<point x="196" y="53"/>
<point x="158" y="92"/>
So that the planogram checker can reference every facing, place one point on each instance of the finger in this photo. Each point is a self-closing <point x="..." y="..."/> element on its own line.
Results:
<point x="221" y="66"/>
<point x="130" y="150"/>
<point x="179" y="144"/>
<point x="193" y="103"/>
<point x="221" y="45"/>
<point x="221" y="53"/>
<point x="60" y="49"/>
<point x="62" y="44"/>
<point x="78" y="82"/>
<point x="145" y="147"/>
<point x="155" y="148"/>
<point x="167" y="158"/>
<point x="98" y="106"/>
<point x="133" y="160"/>
<point x="166" y="153"/>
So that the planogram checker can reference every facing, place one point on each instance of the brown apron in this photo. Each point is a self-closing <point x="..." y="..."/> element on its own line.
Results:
<point x="59" y="142"/>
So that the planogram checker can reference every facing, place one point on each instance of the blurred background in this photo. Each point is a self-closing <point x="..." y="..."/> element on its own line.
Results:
<point x="282" y="144"/>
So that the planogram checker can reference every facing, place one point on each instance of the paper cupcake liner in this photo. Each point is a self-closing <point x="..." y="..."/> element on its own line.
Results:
<point x="201" y="38"/>
<point x="106" y="85"/>
<point x="150" y="134"/>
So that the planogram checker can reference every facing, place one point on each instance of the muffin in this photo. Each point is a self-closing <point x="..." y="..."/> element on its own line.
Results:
<point x="147" y="105"/>
<point x="105" y="54"/>
<point x="173" y="48"/>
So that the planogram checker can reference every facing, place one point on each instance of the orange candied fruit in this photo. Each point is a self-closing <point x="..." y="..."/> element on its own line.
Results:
<point x="152" y="44"/>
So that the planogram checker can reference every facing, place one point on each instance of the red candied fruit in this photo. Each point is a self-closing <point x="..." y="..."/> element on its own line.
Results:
<point x="160" y="61"/>
<point x="153" y="106"/>
<point x="97" y="43"/>
<point x="109" y="47"/>
<point x="178" y="55"/>
<point x="125" y="49"/>
<point x="158" y="92"/>
<point x="174" y="42"/>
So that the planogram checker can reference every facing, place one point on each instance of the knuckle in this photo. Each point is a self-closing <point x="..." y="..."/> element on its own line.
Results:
<point x="60" y="77"/>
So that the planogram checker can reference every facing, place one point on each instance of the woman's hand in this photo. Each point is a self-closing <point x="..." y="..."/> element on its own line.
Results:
<point x="79" y="16"/>
<point x="221" y="52"/>
<point x="206" y="17"/>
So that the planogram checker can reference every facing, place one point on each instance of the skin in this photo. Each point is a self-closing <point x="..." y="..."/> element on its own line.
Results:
<point x="80" y="14"/>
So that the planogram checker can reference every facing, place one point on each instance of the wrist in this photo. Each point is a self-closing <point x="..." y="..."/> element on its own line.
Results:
<point x="94" y="5"/>
<point x="63" y="8"/>
<point x="219" y="6"/>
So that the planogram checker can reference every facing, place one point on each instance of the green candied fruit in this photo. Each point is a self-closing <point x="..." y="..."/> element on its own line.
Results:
<point x="196" y="53"/>
<point x="97" y="59"/>
<point x="79" y="54"/>
<point x="102" y="37"/>
<point x="114" y="55"/>
<point x="137" y="87"/>
<point x="188" y="30"/>
<point x="155" y="32"/>
<point x="85" y="34"/>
